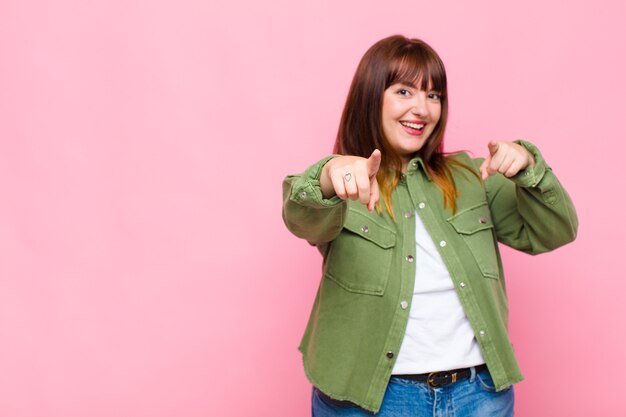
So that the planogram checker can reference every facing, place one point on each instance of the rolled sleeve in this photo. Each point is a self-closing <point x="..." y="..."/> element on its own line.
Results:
<point x="306" y="189"/>
<point x="531" y="176"/>
<point x="306" y="213"/>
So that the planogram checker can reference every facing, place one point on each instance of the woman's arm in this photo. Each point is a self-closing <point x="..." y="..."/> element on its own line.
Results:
<point x="531" y="210"/>
<point x="306" y="213"/>
<point x="313" y="206"/>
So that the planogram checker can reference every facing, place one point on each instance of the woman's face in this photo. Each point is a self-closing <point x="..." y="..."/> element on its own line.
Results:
<point x="409" y="117"/>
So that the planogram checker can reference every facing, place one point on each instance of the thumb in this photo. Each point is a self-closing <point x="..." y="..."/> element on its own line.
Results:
<point x="373" y="163"/>
<point x="493" y="147"/>
<point x="374" y="194"/>
<point x="484" y="173"/>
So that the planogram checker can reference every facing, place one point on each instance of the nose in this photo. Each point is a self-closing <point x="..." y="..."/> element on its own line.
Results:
<point x="419" y="107"/>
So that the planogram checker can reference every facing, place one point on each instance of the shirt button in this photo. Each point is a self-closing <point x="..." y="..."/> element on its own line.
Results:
<point x="462" y="285"/>
<point x="404" y="305"/>
<point x="409" y="258"/>
<point x="442" y="243"/>
<point x="482" y="333"/>
<point x="303" y="194"/>
<point x="408" y="214"/>
<point x="421" y="205"/>
<point x="414" y="163"/>
<point x="365" y="229"/>
<point x="390" y="354"/>
<point x="482" y="220"/>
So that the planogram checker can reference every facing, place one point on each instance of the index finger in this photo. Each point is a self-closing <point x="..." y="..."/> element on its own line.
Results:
<point x="373" y="163"/>
<point x="493" y="147"/>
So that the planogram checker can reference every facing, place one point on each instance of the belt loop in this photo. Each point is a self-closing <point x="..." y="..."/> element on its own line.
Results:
<point x="472" y="374"/>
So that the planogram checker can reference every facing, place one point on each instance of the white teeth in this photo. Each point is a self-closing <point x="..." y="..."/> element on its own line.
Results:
<point x="413" y="125"/>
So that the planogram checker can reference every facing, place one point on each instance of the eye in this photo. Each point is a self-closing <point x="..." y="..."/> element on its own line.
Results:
<point x="404" y="92"/>
<point x="433" y="95"/>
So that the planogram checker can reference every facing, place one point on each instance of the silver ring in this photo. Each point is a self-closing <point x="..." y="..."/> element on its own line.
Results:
<point x="347" y="176"/>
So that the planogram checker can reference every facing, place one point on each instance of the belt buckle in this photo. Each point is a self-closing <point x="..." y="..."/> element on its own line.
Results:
<point x="449" y="378"/>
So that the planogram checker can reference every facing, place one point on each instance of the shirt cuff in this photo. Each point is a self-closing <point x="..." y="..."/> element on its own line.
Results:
<point x="531" y="175"/>
<point x="307" y="190"/>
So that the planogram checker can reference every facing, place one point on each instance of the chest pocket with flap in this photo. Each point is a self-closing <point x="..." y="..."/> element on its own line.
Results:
<point x="477" y="230"/>
<point x="359" y="259"/>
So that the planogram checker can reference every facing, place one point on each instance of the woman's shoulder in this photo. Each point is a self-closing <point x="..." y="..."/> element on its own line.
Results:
<point x="461" y="156"/>
<point x="463" y="160"/>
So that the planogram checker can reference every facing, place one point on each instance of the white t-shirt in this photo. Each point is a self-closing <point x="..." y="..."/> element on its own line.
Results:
<point x="438" y="335"/>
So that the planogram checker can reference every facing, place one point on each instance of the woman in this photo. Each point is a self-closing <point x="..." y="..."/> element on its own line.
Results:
<point x="410" y="318"/>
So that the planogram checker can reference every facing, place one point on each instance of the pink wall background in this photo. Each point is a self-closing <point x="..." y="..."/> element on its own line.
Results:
<point x="144" y="266"/>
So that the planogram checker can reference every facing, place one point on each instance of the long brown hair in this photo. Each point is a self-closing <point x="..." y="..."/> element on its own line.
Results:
<point x="392" y="60"/>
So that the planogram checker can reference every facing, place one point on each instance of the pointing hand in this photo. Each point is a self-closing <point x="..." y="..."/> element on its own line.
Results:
<point x="352" y="177"/>
<point x="507" y="158"/>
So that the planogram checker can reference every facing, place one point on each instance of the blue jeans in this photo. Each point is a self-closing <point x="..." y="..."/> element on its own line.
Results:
<point x="475" y="397"/>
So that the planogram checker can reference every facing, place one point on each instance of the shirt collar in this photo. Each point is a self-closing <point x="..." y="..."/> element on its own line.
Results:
<point x="417" y="163"/>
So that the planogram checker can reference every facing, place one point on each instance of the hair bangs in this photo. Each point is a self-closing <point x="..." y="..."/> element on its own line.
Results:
<point x="415" y="65"/>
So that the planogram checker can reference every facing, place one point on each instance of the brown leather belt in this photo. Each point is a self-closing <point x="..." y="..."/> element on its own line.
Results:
<point x="444" y="378"/>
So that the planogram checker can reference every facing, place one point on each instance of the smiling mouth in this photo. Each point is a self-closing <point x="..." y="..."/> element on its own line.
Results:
<point x="414" y="126"/>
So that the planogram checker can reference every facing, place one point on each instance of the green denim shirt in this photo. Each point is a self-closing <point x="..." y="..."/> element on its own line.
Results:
<point x="361" y="309"/>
